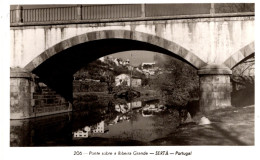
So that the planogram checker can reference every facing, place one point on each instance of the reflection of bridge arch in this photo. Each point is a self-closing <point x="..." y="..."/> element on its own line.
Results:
<point x="160" y="45"/>
<point x="241" y="55"/>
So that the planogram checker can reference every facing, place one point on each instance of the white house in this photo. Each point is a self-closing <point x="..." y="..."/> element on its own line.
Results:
<point x="80" y="134"/>
<point x="122" y="79"/>
<point x="148" y="65"/>
<point x="149" y="68"/>
<point x="122" y="108"/>
<point x="133" y="105"/>
<point x="99" y="128"/>
<point x="136" y="82"/>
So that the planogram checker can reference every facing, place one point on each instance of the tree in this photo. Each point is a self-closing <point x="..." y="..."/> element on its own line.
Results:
<point x="179" y="83"/>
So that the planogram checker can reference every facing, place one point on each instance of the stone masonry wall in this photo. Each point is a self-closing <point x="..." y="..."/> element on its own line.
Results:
<point x="29" y="98"/>
<point x="46" y="101"/>
<point x="20" y="98"/>
<point x="215" y="92"/>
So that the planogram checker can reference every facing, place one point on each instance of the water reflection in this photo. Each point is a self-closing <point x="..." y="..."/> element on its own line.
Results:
<point x="90" y="130"/>
<point x="109" y="124"/>
<point x="42" y="131"/>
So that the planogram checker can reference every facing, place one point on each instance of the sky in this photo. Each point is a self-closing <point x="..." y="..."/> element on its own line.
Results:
<point x="137" y="57"/>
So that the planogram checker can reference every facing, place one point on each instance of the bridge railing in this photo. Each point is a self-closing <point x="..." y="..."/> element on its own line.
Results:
<point x="12" y="16"/>
<point x="91" y="13"/>
<point x="49" y="14"/>
<point x="111" y="11"/>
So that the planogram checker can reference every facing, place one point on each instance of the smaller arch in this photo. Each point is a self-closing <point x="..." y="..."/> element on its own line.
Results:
<point x="176" y="49"/>
<point x="241" y="55"/>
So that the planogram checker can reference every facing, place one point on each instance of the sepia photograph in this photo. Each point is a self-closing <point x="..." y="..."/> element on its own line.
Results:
<point x="132" y="74"/>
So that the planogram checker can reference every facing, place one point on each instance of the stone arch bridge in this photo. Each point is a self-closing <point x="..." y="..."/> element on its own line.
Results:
<point x="51" y="44"/>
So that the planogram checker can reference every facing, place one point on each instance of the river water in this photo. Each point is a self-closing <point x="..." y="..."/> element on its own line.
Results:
<point x="136" y="123"/>
<point x="133" y="123"/>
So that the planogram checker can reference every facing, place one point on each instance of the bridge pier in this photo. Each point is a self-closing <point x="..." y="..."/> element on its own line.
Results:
<point x="20" y="94"/>
<point x="30" y="98"/>
<point x="215" y="87"/>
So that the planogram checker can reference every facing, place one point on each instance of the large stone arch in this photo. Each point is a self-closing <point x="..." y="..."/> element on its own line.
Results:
<point x="239" y="56"/>
<point x="174" y="48"/>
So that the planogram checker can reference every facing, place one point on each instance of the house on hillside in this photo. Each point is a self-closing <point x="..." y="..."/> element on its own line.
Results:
<point x="136" y="104"/>
<point x="149" y="69"/>
<point x="121" y="62"/>
<point x="136" y="82"/>
<point x="99" y="128"/>
<point x="124" y="79"/>
<point x="148" y="65"/>
<point x="80" y="134"/>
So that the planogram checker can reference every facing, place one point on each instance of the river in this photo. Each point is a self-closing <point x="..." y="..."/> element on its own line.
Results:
<point x="132" y="123"/>
<point x="137" y="123"/>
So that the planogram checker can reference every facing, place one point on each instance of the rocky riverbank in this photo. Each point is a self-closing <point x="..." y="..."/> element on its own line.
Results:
<point x="229" y="126"/>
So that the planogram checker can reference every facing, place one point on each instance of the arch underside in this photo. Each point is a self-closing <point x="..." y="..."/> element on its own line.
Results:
<point x="56" y="66"/>
<point x="154" y="41"/>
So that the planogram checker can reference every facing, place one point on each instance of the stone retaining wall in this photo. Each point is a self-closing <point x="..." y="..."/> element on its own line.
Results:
<point x="30" y="98"/>
<point x="46" y="101"/>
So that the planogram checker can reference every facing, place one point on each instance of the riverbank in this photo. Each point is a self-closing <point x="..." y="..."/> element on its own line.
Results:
<point x="230" y="126"/>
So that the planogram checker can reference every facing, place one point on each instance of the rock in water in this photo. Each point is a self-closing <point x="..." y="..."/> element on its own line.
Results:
<point x="204" y="121"/>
